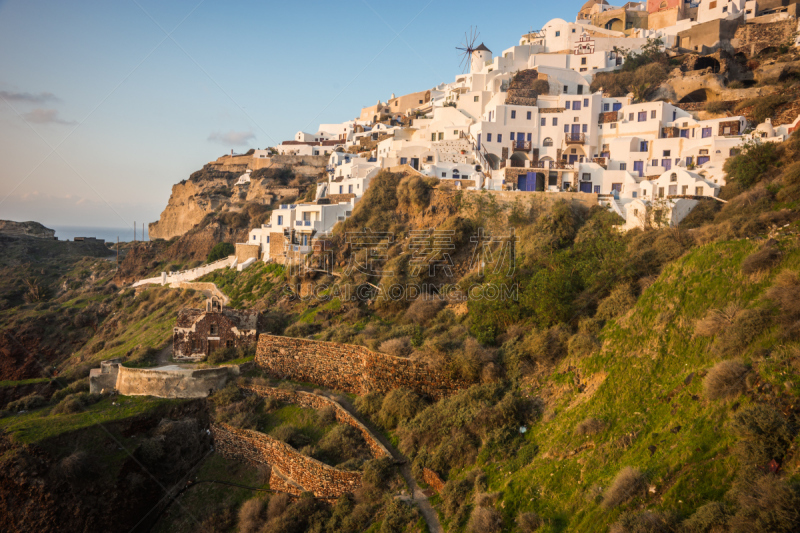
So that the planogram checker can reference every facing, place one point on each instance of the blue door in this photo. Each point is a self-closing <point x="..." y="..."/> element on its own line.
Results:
<point x="638" y="166"/>
<point x="522" y="183"/>
<point x="479" y="141"/>
<point x="701" y="159"/>
<point x="586" y="186"/>
<point x="616" y="107"/>
<point x="666" y="163"/>
<point x="573" y="158"/>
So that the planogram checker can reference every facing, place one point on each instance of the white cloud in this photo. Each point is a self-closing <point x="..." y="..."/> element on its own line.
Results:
<point x="232" y="138"/>
<point x="46" y="116"/>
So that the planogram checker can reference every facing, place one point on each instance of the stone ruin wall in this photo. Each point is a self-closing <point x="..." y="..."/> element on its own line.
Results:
<point x="316" y="401"/>
<point x="303" y="473"/>
<point x="350" y="368"/>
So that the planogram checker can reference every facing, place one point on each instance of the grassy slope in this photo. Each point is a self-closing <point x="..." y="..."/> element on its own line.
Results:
<point x="647" y="357"/>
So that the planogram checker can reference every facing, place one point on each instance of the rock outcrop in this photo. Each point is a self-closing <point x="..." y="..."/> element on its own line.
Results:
<point x="27" y="229"/>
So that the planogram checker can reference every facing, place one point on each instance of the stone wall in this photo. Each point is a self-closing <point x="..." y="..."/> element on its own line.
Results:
<point x="246" y="251"/>
<point x="257" y="448"/>
<point x="539" y="199"/>
<point x="316" y="401"/>
<point x="172" y="382"/>
<point x="276" y="245"/>
<point x="197" y="341"/>
<point x="752" y="38"/>
<point x="432" y="479"/>
<point x="350" y="368"/>
<point x="337" y="198"/>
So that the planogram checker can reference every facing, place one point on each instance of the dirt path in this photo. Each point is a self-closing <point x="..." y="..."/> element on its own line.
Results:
<point x="417" y="496"/>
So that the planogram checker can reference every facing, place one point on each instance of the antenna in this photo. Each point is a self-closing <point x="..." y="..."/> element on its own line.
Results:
<point x="468" y="47"/>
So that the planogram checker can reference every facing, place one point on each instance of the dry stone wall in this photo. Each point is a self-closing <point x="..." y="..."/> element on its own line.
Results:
<point x="254" y="447"/>
<point x="315" y="401"/>
<point x="350" y="368"/>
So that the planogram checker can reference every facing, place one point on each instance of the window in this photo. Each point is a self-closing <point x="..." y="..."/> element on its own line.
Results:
<point x="580" y="89"/>
<point x="613" y="125"/>
<point x="726" y="130"/>
<point x="725" y="9"/>
<point x="567" y="104"/>
<point x="429" y="159"/>
<point x="349" y="189"/>
<point x="403" y="161"/>
<point x="444" y="174"/>
<point x="488" y="137"/>
<point x="583" y="59"/>
<point x="254" y="237"/>
<point x="512" y="135"/>
<point x="573" y="30"/>
<point x="420" y="101"/>
<point x="661" y="192"/>
<point x="623" y="166"/>
<point x="586" y="177"/>
<point x="576" y="105"/>
<point x="547" y="142"/>
<point x="558" y="34"/>
<point x="499" y="137"/>
<point x="673" y="177"/>
<point x="566" y="89"/>
<point x="433" y="136"/>
<point x="666" y="153"/>
<point x="706" y="132"/>
<point x="475" y="98"/>
<point x="529" y="115"/>
<point x="642" y="116"/>
<point x="280" y="220"/>
<point x="455" y="132"/>
<point x="566" y="128"/>
<point x="605" y="107"/>
<point x="555" y="121"/>
<point x="698" y="191"/>
<point x="685" y="190"/>
<point x="643" y="146"/>
<point x="529" y="137"/>
<point x="630" y="117"/>
<point x="229" y="344"/>
<point x="441" y="135"/>
<point x="513" y="114"/>
<point x="213" y="330"/>
<point x="544" y="122"/>
<point x="653" y="113"/>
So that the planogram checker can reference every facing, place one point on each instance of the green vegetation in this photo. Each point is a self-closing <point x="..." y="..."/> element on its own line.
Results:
<point x="220" y="251"/>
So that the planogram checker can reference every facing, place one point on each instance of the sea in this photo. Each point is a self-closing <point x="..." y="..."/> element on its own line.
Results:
<point x="68" y="233"/>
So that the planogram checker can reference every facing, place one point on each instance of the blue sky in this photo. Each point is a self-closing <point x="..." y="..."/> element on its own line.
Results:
<point x="130" y="111"/>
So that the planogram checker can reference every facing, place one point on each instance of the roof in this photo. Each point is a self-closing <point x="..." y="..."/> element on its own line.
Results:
<point x="482" y="47"/>
<point x="588" y="5"/>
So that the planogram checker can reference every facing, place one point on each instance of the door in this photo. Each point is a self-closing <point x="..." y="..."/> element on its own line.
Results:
<point x="702" y="159"/>
<point x="673" y="190"/>
<point x="539" y="181"/>
<point x="213" y="346"/>
<point x="666" y="164"/>
<point x="479" y="141"/>
<point x="576" y="132"/>
<point x="586" y="186"/>
<point x="616" y="188"/>
<point x="415" y="163"/>
<point x="573" y="158"/>
<point x="522" y="183"/>
<point x="638" y="166"/>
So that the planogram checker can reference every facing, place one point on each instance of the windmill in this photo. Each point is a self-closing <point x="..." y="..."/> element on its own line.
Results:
<point x="467" y="48"/>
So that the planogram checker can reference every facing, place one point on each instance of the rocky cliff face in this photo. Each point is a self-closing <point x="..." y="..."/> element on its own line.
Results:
<point x="214" y="188"/>
<point x="28" y="229"/>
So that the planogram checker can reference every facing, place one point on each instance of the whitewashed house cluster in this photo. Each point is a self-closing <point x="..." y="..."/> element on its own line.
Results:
<point x="650" y="162"/>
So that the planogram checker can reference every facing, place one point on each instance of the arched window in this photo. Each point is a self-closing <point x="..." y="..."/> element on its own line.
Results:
<point x="548" y="142"/>
<point x="663" y="5"/>
<point x="673" y="177"/>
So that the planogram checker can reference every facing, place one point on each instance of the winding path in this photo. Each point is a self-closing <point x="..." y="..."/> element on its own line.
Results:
<point x="417" y="496"/>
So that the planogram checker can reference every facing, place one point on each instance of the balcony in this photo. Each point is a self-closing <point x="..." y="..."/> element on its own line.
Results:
<point x="553" y="165"/>
<point x="308" y="225"/>
<point x="575" y="138"/>
<point x="521" y="146"/>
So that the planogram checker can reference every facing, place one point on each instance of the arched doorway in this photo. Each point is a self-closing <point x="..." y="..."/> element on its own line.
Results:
<point x="518" y="159"/>
<point x="700" y="95"/>
<point x="707" y="62"/>
<point x="615" y="25"/>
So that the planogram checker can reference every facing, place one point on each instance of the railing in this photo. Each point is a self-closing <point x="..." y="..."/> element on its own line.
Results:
<point x="524" y="146"/>
<point x="481" y="156"/>
<point x="575" y="138"/>
<point x="555" y="165"/>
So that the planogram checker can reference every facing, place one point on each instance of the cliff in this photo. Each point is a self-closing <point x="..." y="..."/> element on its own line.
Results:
<point x="215" y="189"/>
<point x="27" y="229"/>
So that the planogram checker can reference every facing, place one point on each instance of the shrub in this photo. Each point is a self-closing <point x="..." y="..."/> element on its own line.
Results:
<point x="528" y="522"/>
<point x="221" y="250"/>
<point x="618" y="302"/>
<point x="378" y="472"/>
<point x="725" y="380"/>
<point x="415" y="192"/>
<point x="582" y="344"/>
<point x="716" y="320"/>
<point x="764" y="434"/>
<point x="710" y="517"/>
<point x="762" y="259"/>
<point x="27" y="403"/>
<point x="423" y="309"/>
<point x="590" y="426"/>
<point x="766" y="504"/>
<point x="340" y="444"/>
<point x="290" y="435"/>
<point x="645" y="522"/>
<point x="747" y="325"/>
<point x="75" y="403"/>
<point x="399" y="516"/>
<point x="76" y="466"/>
<point x="326" y="415"/>
<point x="252" y="516"/>
<point x="763" y="107"/>
<point x="748" y="166"/>
<point x="628" y="484"/>
<point x="277" y="505"/>
<point x="398" y="406"/>
<point x="785" y="293"/>
<point x="485" y="520"/>
<point x="369" y="404"/>
<point x="399" y="346"/>
<point x="542" y="87"/>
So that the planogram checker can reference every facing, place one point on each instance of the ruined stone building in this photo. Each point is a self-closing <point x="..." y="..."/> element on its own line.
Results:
<point x="198" y="332"/>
